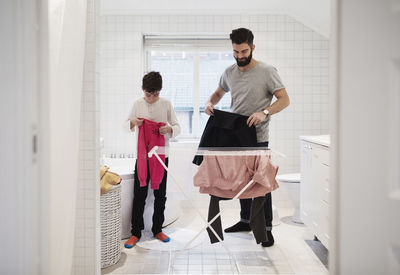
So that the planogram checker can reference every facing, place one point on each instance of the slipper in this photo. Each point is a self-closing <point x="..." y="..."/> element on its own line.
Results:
<point x="131" y="242"/>
<point x="162" y="237"/>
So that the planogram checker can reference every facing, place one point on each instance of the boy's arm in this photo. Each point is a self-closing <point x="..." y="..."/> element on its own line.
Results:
<point x="132" y="120"/>
<point x="173" y="121"/>
<point x="135" y="122"/>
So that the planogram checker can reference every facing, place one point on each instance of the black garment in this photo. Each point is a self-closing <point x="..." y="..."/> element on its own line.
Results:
<point x="139" y="201"/>
<point x="225" y="129"/>
<point x="245" y="204"/>
<point x="257" y="221"/>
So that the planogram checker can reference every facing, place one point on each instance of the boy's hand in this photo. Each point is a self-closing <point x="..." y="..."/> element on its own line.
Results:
<point x="165" y="130"/>
<point x="137" y="122"/>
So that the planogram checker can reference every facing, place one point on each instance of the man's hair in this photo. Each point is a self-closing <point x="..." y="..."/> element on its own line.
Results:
<point x="152" y="82"/>
<point x="242" y="35"/>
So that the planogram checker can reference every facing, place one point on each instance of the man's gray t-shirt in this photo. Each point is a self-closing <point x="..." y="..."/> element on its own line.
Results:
<point x="252" y="91"/>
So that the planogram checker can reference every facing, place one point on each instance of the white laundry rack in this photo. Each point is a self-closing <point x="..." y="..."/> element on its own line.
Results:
<point x="213" y="151"/>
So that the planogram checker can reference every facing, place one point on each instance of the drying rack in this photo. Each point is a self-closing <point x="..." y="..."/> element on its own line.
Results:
<point x="212" y="151"/>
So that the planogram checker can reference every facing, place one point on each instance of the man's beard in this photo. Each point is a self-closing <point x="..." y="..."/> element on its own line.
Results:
<point x="244" y="62"/>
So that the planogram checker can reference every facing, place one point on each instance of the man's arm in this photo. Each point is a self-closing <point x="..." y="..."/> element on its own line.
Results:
<point x="282" y="101"/>
<point x="213" y="100"/>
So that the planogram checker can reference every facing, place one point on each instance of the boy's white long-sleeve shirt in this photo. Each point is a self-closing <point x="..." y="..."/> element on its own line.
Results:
<point x="159" y="111"/>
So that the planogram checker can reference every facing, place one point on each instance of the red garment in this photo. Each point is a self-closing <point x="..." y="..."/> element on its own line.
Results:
<point x="149" y="136"/>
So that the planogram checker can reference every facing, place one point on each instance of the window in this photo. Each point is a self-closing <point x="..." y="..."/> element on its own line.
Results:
<point x="191" y="70"/>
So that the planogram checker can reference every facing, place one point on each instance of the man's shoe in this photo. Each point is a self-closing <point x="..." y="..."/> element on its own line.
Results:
<point x="239" y="227"/>
<point x="270" y="240"/>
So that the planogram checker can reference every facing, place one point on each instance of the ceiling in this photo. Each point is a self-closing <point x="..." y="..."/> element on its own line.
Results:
<point x="315" y="14"/>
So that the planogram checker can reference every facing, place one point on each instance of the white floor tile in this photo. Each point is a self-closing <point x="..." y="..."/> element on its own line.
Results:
<point x="289" y="255"/>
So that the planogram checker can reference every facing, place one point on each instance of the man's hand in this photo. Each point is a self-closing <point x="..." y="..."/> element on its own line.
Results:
<point x="256" y="118"/>
<point x="163" y="130"/>
<point x="209" y="110"/>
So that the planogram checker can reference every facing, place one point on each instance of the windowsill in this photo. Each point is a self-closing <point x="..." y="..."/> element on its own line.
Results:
<point x="185" y="140"/>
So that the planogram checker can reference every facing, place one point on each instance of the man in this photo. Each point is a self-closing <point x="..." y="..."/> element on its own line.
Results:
<point x="252" y="85"/>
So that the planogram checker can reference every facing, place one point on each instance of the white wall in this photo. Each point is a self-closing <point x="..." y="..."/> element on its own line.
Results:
<point x="86" y="259"/>
<point x="366" y="141"/>
<point x="300" y="55"/>
<point x="60" y="111"/>
<point x="19" y="195"/>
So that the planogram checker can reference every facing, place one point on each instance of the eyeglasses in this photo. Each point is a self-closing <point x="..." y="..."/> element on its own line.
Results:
<point x="152" y="94"/>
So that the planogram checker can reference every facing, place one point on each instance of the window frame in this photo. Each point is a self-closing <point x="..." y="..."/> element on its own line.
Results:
<point x="196" y="45"/>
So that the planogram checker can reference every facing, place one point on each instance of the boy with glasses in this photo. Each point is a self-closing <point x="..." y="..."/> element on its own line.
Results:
<point x="154" y="110"/>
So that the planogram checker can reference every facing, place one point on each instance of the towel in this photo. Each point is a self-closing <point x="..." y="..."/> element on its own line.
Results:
<point x="108" y="179"/>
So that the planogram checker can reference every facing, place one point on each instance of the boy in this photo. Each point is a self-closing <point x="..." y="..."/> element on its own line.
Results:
<point x="156" y="109"/>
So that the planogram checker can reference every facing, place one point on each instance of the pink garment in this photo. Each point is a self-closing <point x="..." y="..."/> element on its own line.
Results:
<point x="225" y="176"/>
<point x="149" y="137"/>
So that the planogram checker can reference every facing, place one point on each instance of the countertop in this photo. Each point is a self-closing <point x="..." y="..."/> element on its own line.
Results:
<point x="324" y="140"/>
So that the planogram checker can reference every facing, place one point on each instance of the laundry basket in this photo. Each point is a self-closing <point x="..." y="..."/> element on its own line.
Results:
<point x="110" y="222"/>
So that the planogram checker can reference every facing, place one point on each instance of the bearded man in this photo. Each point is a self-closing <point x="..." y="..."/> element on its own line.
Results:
<point x="252" y="85"/>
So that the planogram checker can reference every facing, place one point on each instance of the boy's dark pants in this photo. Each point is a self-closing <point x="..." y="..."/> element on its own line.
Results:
<point x="139" y="201"/>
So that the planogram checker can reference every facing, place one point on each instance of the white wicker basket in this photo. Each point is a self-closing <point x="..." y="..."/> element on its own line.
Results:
<point x="110" y="222"/>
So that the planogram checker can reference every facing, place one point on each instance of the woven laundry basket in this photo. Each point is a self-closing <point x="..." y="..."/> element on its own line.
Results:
<point x="110" y="222"/>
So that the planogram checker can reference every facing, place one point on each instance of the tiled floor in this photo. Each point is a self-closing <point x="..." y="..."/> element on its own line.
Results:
<point x="290" y="254"/>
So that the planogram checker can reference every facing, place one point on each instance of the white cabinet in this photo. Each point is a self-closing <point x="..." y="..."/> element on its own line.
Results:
<point x="305" y="193"/>
<point x="315" y="188"/>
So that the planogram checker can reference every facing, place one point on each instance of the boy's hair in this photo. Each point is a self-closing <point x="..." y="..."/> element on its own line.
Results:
<point x="242" y="35"/>
<point x="152" y="82"/>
